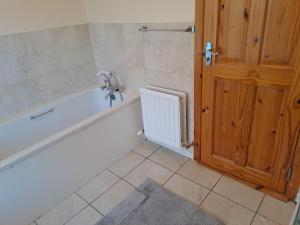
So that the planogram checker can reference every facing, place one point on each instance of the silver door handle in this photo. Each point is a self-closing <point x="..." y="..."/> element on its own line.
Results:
<point x="209" y="53"/>
<point x="215" y="53"/>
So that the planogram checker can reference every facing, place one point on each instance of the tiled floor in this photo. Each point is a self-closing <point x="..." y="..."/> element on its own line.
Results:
<point x="230" y="201"/>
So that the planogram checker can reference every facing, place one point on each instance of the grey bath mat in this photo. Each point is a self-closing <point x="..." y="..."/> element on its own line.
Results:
<point x="151" y="204"/>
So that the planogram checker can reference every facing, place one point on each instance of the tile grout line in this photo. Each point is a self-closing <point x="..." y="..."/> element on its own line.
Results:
<point x="106" y="190"/>
<point x="195" y="181"/>
<point x="256" y="213"/>
<point x="144" y="159"/>
<point x="239" y="204"/>
<point x="119" y="159"/>
<point x="268" y="218"/>
<point x="81" y="197"/>
<point x="131" y="151"/>
<point x="120" y="178"/>
<point x="76" y="214"/>
<point x="262" y="199"/>
<point x="210" y="191"/>
<point x="45" y="213"/>
<point x="94" y="177"/>
<point x="178" y="174"/>
<point x="108" y="167"/>
<point x="169" y="178"/>
<point x="175" y="173"/>
<point x="156" y="149"/>
<point x="97" y="210"/>
<point x="89" y="204"/>
<point x="162" y="165"/>
<point x="232" y="201"/>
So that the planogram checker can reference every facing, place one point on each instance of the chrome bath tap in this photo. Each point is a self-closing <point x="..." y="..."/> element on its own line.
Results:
<point x="109" y="87"/>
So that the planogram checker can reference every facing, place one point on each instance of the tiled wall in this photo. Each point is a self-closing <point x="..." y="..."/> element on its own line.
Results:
<point x="38" y="67"/>
<point x="164" y="59"/>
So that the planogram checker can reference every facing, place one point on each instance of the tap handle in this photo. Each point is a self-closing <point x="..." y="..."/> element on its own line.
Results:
<point x="104" y="73"/>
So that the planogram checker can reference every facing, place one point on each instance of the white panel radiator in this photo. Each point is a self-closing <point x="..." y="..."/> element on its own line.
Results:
<point x="164" y="117"/>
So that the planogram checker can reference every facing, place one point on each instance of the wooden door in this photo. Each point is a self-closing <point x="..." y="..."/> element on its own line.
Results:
<point x="246" y="90"/>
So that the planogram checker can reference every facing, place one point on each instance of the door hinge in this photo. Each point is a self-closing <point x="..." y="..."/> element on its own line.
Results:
<point x="289" y="174"/>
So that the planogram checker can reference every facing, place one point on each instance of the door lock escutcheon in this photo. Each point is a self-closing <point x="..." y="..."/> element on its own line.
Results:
<point x="209" y="53"/>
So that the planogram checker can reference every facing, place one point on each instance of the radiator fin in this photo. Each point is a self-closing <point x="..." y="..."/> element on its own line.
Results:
<point x="161" y="117"/>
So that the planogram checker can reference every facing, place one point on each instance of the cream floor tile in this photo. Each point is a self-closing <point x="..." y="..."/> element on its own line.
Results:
<point x="199" y="174"/>
<point x="113" y="197"/>
<point x="187" y="189"/>
<point x="146" y="149"/>
<point x="63" y="211"/>
<point x="260" y="220"/>
<point x="98" y="186"/>
<point x="240" y="193"/>
<point x="278" y="211"/>
<point x="168" y="159"/>
<point x="126" y="164"/>
<point x="148" y="169"/>
<point x="227" y="211"/>
<point x="88" y="216"/>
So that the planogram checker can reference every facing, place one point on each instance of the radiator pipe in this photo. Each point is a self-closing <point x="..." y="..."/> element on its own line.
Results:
<point x="188" y="145"/>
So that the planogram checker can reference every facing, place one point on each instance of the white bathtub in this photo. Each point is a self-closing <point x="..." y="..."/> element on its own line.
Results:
<point x="44" y="159"/>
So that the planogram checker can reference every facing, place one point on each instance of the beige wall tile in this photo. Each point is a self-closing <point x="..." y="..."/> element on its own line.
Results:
<point x="34" y="65"/>
<point x="55" y="85"/>
<point x="164" y="59"/>
<point x="26" y="94"/>
<point x="14" y="58"/>
<point x="155" y="52"/>
<point x="6" y="105"/>
<point x="134" y="45"/>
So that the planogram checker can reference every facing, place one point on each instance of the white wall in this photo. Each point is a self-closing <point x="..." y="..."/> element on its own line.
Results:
<point x="28" y="15"/>
<point x="18" y="16"/>
<point x="140" y="11"/>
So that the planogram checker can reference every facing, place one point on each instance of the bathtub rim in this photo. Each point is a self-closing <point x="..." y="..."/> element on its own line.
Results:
<point x="13" y="160"/>
<point x="42" y="107"/>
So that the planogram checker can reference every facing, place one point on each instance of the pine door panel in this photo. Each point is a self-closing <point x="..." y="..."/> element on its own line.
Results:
<point x="233" y="112"/>
<point x="245" y="90"/>
<point x="231" y="19"/>
<point x="281" y="32"/>
<point x="266" y="120"/>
